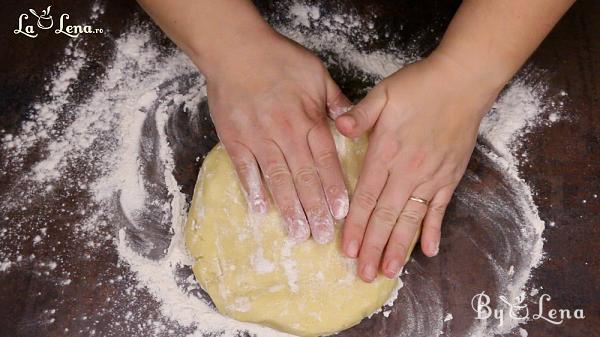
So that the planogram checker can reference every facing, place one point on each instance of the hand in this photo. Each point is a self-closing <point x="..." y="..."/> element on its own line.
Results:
<point x="269" y="104"/>
<point x="424" y="121"/>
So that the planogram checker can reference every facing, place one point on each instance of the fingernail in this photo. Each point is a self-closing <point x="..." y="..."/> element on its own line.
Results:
<point x="321" y="224"/>
<point x="298" y="230"/>
<point x="393" y="268"/>
<point x="323" y="236"/>
<point x="351" y="122"/>
<point x="340" y="207"/>
<point x="323" y="233"/>
<point x="369" y="272"/>
<point x="435" y="248"/>
<point x="352" y="249"/>
<point x="258" y="206"/>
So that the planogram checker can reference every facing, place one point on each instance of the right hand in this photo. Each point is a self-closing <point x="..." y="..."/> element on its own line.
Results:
<point x="269" y="103"/>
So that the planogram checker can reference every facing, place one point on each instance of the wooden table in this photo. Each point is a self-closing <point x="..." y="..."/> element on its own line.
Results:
<point x="563" y="169"/>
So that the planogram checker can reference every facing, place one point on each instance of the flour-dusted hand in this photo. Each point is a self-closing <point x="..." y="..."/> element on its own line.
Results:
<point x="269" y="100"/>
<point x="270" y="110"/>
<point x="424" y="121"/>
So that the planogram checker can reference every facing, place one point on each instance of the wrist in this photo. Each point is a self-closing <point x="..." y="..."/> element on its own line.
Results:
<point x="477" y="88"/>
<point x="232" y="47"/>
<point x="484" y="77"/>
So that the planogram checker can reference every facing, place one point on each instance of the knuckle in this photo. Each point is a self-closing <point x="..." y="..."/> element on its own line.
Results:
<point x="453" y="168"/>
<point x="409" y="216"/>
<point x="315" y="115"/>
<point x="438" y="208"/>
<point x="365" y="200"/>
<point x="244" y="167"/>
<point x="358" y="227"/>
<point x="288" y="210"/>
<point x="327" y="160"/>
<point x="417" y="159"/>
<point x="306" y="176"/>
<point x="444" y="176"/>
<point x="450" y="173"/>
<point x="434" y="228"/>
<point x="385" y="215"/>
<point x="277" y="174"/>
<point x="316" y="212"/>
<point x="397" y="247"/>
<point x="425" y="176"/>
<point x="374" y="248"/>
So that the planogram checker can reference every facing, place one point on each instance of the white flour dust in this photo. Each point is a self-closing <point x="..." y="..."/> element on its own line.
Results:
<point x="106" y="156"/>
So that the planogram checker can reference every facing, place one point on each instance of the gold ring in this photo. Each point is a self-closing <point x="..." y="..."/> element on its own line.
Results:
<point x="421" y="200"/>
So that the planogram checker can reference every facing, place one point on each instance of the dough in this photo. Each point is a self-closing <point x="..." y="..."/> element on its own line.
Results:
<point x="254" y="273"/>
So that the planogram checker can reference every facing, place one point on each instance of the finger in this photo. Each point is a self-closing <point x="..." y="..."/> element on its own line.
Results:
<point x="362" y="116"/>
<point x="337" y="102"/>
<point x="249" y="175"/>
<point x="382" y="221"/>
<point x="370" y="183"/>
<point x="406" y="231"/>
<point x="310" y="191"/>
<point x="279" y="179"/>
<point x="329" y="168"/>
<point x="430" y="238"/>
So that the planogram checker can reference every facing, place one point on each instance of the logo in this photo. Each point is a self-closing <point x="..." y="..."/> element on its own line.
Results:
<point x="29" y="28"/>
<point x="517" y="310"/>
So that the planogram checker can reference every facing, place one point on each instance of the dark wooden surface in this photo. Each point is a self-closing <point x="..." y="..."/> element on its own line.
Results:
<point x="563" y="162"/>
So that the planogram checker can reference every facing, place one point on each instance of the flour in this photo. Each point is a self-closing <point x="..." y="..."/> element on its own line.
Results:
<point x="260" y="264"/>
<point x="512" y="115"/>
<point x="289" y="266"/>
<point x="101" y="149"/>
<point x="39" y="129"/>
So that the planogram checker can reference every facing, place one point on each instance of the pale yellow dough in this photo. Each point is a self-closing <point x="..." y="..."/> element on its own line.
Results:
<point x="254" y="273"/>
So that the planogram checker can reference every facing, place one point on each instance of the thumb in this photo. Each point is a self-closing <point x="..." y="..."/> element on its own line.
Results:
<point x="363" y="115"/>
<point x="337" y="103"/>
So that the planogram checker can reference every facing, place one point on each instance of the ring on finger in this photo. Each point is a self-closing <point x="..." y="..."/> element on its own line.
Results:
<point x="419" y="200"/>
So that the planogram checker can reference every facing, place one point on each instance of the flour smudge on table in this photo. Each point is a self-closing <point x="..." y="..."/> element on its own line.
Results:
<point x="108" y="166"/>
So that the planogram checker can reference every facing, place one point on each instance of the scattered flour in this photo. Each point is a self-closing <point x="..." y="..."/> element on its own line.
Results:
<point x="523" y="332"/>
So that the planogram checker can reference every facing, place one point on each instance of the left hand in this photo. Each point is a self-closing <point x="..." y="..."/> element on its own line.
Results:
<point x="424" y="121"/>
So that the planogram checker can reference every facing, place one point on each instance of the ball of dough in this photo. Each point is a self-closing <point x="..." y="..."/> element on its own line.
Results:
<point x="253" y="273"/>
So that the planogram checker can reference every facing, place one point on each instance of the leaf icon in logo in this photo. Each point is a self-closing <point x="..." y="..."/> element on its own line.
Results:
<point x="46" y="13"/>
<point x="519" y="299"/>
